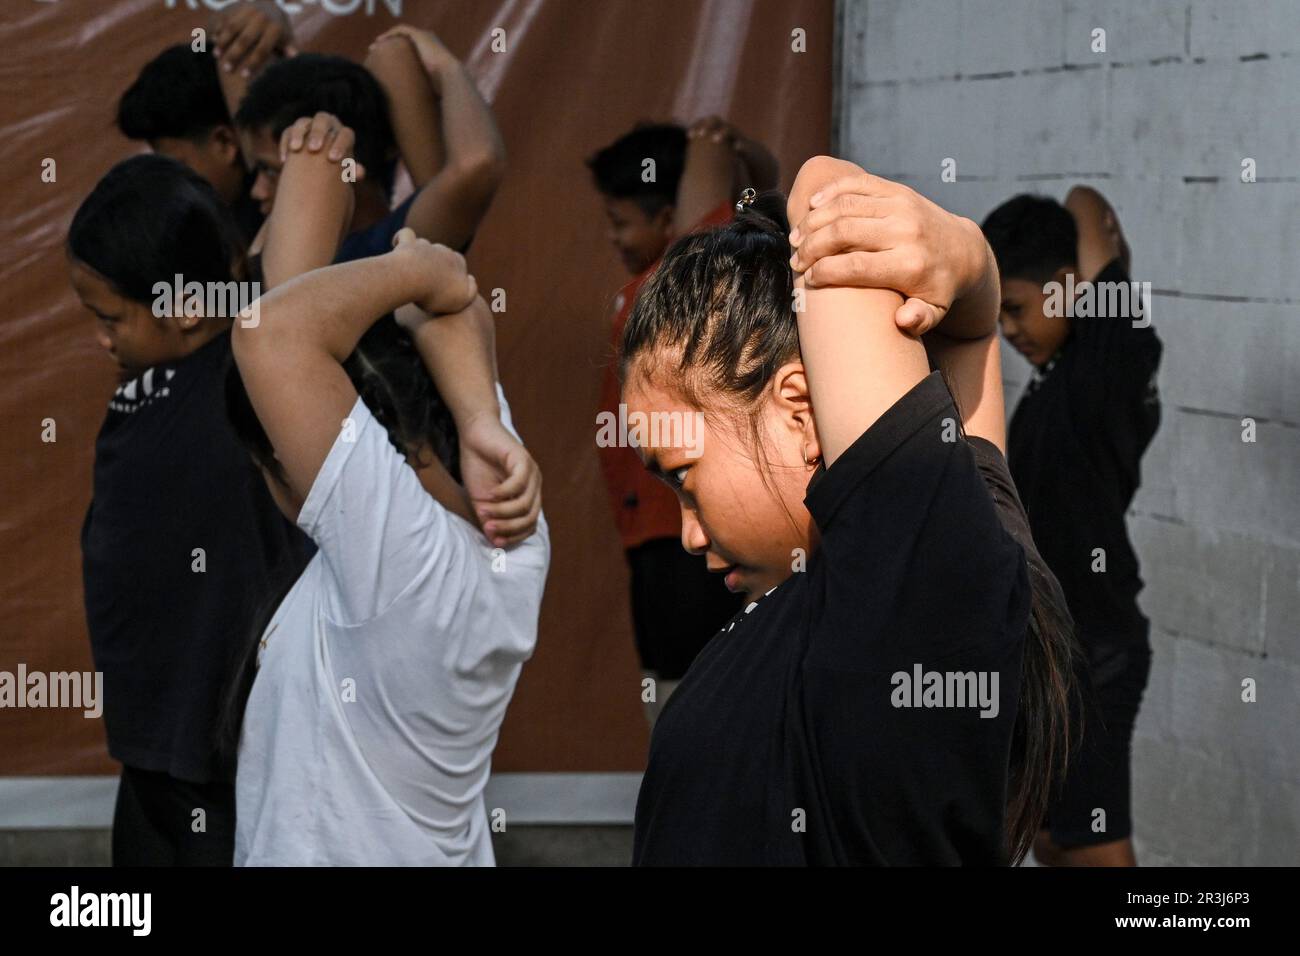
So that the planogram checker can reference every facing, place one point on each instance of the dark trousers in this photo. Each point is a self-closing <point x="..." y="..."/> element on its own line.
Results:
<point x="155" y="822"/>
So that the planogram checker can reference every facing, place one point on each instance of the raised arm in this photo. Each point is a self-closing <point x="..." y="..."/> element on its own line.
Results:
<point x="1100" y="238"/>
<point x="858" y="362"/>
<point x="291" y="359"/>
<point x="313" y="203"/>
<point x="500" y="476"/>
<point x="868" y="232"/>
<point x="455" y="151"/>
<point x="245" y="37"/>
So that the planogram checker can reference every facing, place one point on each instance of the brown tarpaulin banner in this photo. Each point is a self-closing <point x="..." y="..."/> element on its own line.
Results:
<point x="574" y="75"/>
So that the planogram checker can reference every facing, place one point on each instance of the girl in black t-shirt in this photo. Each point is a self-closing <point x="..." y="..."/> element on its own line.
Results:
<point x="834" y="719"/>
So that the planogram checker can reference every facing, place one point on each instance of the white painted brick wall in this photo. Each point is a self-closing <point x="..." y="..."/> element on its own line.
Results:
<point x="1160" y="124"/>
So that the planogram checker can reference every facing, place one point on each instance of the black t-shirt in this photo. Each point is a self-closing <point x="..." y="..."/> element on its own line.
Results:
<point x="170" y="477"/>
<point x="1075" y="448"/>
<point x="784" y="745"/>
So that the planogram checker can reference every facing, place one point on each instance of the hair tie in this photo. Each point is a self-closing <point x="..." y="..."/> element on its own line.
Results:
<point x="746" y="199"/>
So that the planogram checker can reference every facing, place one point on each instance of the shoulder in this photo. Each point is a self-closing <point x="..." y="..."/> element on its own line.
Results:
<point x="909" y="432"/>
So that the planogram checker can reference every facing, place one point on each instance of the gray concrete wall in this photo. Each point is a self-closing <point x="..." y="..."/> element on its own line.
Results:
<point x="1160" y="123"/>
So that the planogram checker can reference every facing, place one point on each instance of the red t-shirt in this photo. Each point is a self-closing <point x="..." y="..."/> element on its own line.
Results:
<point x="644" y="507"/>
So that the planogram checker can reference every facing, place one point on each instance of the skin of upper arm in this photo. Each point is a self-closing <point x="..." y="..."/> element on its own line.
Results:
<point x="1099" y="235"/>
<point x="313" y="207"/>
<point x="973" y="370"/>
<point x="300" y="393"/>
<point x="858" y="362"/>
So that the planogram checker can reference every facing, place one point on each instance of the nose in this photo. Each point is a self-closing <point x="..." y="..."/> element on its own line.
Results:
<point x="694" y="540"/>
<point x="104" y="341"/>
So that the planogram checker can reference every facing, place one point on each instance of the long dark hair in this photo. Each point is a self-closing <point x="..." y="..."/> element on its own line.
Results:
<point x="715" y="323"/>
<point x="391" y="378"/>
<point x="150" y="218"/>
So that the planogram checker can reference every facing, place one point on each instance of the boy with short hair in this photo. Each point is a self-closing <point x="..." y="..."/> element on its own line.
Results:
<point x="1075" y="448"/>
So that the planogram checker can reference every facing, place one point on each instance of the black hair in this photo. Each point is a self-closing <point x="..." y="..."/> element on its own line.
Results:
<point x="149" y="218"/>
<point x="714" y="323"/>
<point x="310" y="83"/>
<point x="1032" y="237"/>
<point x="618" y="168"/>
<point x="177" y="95"/>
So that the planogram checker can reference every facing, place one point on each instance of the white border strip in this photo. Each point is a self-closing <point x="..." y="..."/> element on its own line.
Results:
<point x="29" y="803"/>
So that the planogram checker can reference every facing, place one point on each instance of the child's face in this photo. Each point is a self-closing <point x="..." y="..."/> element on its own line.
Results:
<point x="1025" y="322"/>
<point x="128" y="330"/>
<point x="728" y="514"/>
<point x="639" y="239"/>
<point x="262" y="151"/>
<point x="214" y="156"/>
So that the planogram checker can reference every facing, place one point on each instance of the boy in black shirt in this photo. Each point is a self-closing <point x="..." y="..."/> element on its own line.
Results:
<point x="1075" y="447"/>
<point x="182" y="544"/>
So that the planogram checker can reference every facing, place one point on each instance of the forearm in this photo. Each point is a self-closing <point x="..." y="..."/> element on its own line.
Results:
<point x="459" y="351"/>
<point x="469" y="130"/>
<point x="707" y="179"/>
<point x="857" y="361"/>
<point x="413" y="105"/>
<point x="327" y="310"/>
<point x="313" y="206"/>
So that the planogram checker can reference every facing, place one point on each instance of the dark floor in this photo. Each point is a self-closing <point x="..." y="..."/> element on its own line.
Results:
<point x="521" y="846"/>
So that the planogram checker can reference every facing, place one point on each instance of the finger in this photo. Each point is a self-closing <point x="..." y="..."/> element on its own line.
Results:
<point x="863" y="183"/>
<point x="241" y="44"/>
<point x="404" y="235"/>
<point x="864" y="270"/>
<point x="514" y="529"/>
<point x="917" y="317"/>
<point x="517" y="481"/>
<point x="839" y="236"/>
<point x="291" y="139"/>
<point x="515" y="494"/>
<point x="850" y="205"/>
<point x="323" y="127"/>
<point x="290" y="50"/>
<point x="260" y="53"/>
<point x="344" y="143"/>
<point x="230" y="26"/>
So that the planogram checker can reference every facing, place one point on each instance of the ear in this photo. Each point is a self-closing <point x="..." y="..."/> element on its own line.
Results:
<point x="226" y="143"/>
<point x="793" y="401"/>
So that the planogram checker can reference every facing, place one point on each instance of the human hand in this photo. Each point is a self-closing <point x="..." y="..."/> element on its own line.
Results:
<point x="869" y="232"/>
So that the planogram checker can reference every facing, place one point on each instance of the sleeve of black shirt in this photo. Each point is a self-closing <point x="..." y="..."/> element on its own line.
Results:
<point x="1121" y="347"/>
<point x="914" y="571"/>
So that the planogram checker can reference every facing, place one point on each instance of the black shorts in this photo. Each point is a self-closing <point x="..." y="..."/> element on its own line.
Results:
<point x="1098" y="776"/>
<point x="155" y="823"/>
<point x="677" y="605"/>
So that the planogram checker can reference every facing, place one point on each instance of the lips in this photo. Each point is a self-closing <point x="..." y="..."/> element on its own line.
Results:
<point x="732" y="572"/>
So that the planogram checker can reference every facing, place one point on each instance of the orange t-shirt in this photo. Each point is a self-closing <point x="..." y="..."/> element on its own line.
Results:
<point x="644" y="507"/>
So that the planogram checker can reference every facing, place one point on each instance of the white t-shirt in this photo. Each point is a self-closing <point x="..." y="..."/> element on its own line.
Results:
<point x="385" y="674"/>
